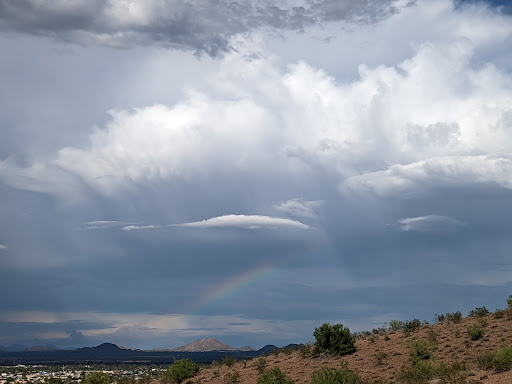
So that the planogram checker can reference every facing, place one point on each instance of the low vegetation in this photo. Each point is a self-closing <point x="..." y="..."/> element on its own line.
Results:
<point x="336" y="376"/>
<point x="334" y="339"/>
<point x="274" y="376"/>
<point x="180" y="371"/>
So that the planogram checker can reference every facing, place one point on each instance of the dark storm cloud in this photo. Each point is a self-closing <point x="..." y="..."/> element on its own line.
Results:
<point x="199" y="26"/>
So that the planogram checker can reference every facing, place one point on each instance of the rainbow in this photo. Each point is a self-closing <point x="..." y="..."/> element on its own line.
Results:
<point x="233" y="285"/>
<point x="238" y="283"/>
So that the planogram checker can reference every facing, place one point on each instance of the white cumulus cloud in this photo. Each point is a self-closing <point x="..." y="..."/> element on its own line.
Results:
<point x="434" y="118"/>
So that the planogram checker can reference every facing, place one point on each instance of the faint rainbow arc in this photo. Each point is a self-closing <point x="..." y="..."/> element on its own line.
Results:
<point x="233" y="285"/>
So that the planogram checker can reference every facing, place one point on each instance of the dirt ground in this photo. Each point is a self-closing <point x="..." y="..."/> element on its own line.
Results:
<point x="378" y="357"/>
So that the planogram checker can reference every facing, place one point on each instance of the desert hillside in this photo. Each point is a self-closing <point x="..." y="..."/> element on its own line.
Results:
<point x="382" y="355"/>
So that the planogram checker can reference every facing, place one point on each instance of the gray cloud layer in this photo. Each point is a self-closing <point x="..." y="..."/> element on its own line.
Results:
<point x="392" y="140"/>
<point x="197" y="25"/>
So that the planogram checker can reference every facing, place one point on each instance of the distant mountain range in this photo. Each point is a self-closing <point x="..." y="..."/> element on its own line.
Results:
<point x="204" y="350"/>
<point x="24" y="348"/>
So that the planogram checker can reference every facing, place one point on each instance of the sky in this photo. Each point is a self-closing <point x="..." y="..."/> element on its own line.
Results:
<point x="248" y="170"/>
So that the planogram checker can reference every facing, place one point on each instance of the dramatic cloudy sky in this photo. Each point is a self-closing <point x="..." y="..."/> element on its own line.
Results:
<point x="247" y="170"/>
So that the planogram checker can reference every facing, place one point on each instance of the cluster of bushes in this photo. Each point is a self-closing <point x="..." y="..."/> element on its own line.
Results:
<point x="335" y="376"/>
<point x="424" y="372"/>
<point x="479" y="312"/>
<point x="323" y="376"/>
<point x="499" y="361"/>
<point x="454" y="317"/>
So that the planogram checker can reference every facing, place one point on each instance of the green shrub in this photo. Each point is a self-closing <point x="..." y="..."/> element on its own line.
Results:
<point x="509" y="302"/>
<point x="335" y="376"/>
<point x="503" y="360"/>
<point x="479" y="312"/>
<point x="412" y="325"/>
<point x="420" y="373"/>
<point x="423" y="372"/>
<point x="274" y="376"/>
<point x="499" y="314"/>
<point x="228" y="361"/>
<point x="475" y="332"/>
<point x="483" y="322"/>
<point x="485" y="360"/>
<point x="231" y="377"/>
<point x="261" y="364"/>
<point x="499" y="361"/>
<point x="181" y="370"/>
<point x="97" y="378"/>
<point x="419" y="350"/>
<point x="334" y="339"/>
<point x="454" y="317"/>
<point x="396" y="325"/>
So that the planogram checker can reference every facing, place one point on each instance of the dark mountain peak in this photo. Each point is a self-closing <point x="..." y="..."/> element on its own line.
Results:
<point x="268" y="349"/>
<point x="108" y="347"/>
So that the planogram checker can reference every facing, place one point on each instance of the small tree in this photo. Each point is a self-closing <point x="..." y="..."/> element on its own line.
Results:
<point x="181" y="370"/>
<point x="334" y="339"/>
<point x="509" y="302"/>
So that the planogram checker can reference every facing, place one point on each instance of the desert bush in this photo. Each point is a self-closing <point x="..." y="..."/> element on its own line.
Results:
<point x="451" y="374"/>
<point x="379" y="357"/>
<point x="423" y="372"/>
<point x="419" y="350"/>
<point x="180" y="371"/>
<point x="396" y="325"/>
<point x="274" y="376"/>
<point x="412" y="325"/>
<point x="483" y="322"/>
<point x="228" y="361"/>
<point x="479" y="312"/>
<point x="386" y="338"/>
<point x="485" y="360"/>
<point x="454" y="317"/>
<point x="499" y="314"/>
<point x="232" y="377"/>
<point x="420" y="373"/>
<point x="336" y="376"/>
<point x="499" y="361"/>
<point x="216" y="373"/>
<point x="307" y="350"/>
<point x="503" y="360"/>
<point x="432" y="336"/>
<point x="509" y="302"/>
<point x="334" y="339"/>
<point x="261" y="364"/>
<point x="97" y="378"/>
<point x="287" y="351"/>
<point x="475" y="332"/>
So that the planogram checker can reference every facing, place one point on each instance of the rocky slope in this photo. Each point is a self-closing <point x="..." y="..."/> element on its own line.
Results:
<point x="383" y="357"/>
